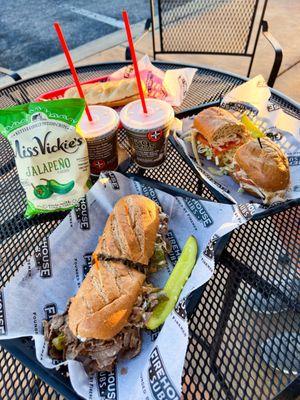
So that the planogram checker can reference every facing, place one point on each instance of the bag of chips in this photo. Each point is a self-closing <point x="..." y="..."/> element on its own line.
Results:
<point x="51" y="157"/>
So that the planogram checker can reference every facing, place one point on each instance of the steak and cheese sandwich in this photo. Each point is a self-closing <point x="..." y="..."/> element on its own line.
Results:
<point x="219" y="135"/>
<point x="135" y="234"/>
<point x="104" y="320"/>
<point x="262" y="171"/>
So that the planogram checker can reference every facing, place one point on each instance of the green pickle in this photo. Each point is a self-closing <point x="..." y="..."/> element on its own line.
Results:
<point x="175" y="283"/>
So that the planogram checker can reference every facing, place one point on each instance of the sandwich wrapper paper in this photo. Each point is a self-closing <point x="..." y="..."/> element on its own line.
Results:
<point x="252" y="98"/>
<point x="54" y="273"/>
<point x="171" y="85"/>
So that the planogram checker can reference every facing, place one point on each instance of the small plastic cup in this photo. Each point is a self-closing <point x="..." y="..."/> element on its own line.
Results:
<point x="101" y="137"/>
<point x="148" y="133"/>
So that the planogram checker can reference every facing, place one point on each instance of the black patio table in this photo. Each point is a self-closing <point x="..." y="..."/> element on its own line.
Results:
<point x="244" y="328"/>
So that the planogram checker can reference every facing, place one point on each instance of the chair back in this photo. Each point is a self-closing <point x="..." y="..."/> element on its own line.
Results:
<point x="227" y="27"/>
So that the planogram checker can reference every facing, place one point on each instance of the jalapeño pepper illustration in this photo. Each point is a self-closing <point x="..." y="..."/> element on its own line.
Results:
<point x="42" y="191"/>
<point x="59" y="188"/>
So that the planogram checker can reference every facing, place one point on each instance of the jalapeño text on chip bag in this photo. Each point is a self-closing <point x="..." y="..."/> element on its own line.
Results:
<point x="51" y="157"/>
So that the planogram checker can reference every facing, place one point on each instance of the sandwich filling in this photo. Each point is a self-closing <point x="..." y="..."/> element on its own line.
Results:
<point x="101" y="355"/>
<point x="248" y="184"/>
<point x="161" y="249"/>
<point x="221" y="151"/>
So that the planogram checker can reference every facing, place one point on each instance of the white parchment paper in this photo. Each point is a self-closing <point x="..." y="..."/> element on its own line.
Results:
<point x="54" y="273"/>
<point x="252" y="98"/>
<point x="171" y="85"/>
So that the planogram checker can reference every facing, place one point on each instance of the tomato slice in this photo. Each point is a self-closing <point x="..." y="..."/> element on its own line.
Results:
<point x="221" y="149"/>
<point x="229" y="145"/>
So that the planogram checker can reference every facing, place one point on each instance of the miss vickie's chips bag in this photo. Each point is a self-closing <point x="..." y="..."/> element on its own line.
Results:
<point x="51" y="157"/>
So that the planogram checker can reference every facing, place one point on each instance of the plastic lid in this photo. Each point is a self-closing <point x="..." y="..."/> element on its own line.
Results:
<point x="159" y="113"/>
<point x="105" y="120"/>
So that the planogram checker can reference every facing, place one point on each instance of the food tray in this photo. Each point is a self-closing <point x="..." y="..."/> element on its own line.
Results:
<point x="23" y="348"/>
<point x="269" y="210"/>
<point x="59" y="93"/>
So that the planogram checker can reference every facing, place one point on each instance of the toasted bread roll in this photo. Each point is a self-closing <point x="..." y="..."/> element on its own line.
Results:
<point x="130" y="231"/>
<point x="104" y="302"/>
<point x="111" y="93"/>
<point x="219" y="126"/>
<point x="267" y="167"/>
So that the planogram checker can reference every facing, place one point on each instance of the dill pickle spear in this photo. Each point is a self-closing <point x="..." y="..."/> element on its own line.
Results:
<point x="175" y="283"/>
<point x="252" y="128"/>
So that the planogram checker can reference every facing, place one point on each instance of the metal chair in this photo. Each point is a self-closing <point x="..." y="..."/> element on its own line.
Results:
<point x="219" y="27"/>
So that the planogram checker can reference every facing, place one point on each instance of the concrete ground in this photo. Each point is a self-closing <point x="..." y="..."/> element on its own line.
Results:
<point x="283" y="20"/>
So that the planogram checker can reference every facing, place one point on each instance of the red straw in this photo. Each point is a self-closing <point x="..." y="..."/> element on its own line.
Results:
<point x="71" y="65"/>
<point x="133" y="56"/>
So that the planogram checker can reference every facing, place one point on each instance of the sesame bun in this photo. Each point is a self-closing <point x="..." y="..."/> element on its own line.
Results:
<point x="267" y="167"/>
<point x="104" y="302"/>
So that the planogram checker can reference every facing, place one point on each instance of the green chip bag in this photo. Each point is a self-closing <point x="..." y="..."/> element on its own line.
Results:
<point x="51" y="157"/>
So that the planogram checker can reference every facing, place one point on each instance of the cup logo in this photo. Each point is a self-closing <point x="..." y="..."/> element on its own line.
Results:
<point x="154" y="136"/>
<point x="97" y="166"/>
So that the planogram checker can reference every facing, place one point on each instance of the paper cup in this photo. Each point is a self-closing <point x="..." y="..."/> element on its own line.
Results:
<point x="148" y="133"/>
<point x="101" y="137"/>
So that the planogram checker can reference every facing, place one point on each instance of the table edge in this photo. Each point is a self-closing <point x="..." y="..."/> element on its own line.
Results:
<point x="186" y="65"/>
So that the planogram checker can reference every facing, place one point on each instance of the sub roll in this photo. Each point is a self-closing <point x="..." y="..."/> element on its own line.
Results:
<point x="105" y="318"/>
<point x="219" y="135"/>
<point x="110" y="93"/>
<point x="135" y="234"/>
<point x="103" y="321"/>
<point x="262" y="170"/>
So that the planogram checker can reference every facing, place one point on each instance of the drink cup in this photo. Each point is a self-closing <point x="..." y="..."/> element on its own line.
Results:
<point x="101" y="137"/>
<point x="148" y="133"/>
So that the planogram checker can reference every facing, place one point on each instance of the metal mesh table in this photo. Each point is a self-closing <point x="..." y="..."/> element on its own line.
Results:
<point x="245" y="330"/>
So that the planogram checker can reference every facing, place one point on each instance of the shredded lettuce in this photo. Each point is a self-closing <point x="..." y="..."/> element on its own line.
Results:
<point x="215" y="171"/>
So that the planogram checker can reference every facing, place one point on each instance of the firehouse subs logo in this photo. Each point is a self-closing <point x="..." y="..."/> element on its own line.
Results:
<point x="175" y="251"/>
<point x="247" y="210"/>
<point x="274" y="134"/>
<point x="273" y="107"/>
<point x="293" y="161"/>
<point x="209" y="249"/>
<point x="180" y="309"/>
<point x="199" y="211"/>
<point x="112" y="179"/>
<point x="155" y="136"/>
<point x="2" y="316"/>
<point x="161" y="385"/>
<point x="87" y="263"/>
<point x="82" y="214"/>
<point x="42" y="259"/>
<point x="50" y="310"/>
<point x="241" y="107"/>
<point x="150" y="193"/>
<point x="107" y="385"/>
